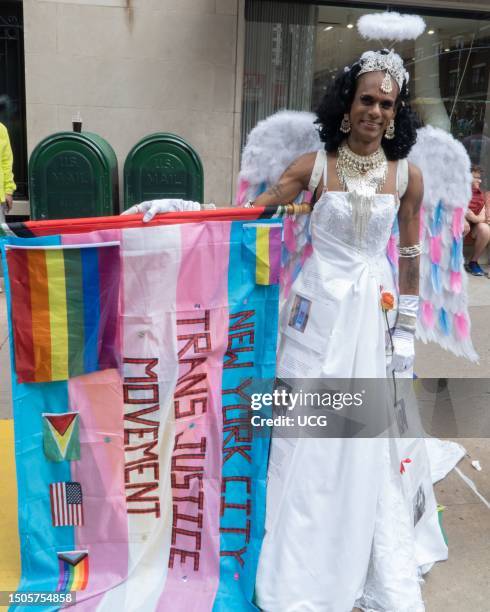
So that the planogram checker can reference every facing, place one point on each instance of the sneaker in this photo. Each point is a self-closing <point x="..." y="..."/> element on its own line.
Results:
<point x="474" y="268"/>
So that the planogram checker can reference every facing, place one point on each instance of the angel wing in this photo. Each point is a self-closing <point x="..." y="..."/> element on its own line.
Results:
<point x="443" y="314"/>
<point x="271" y="146"/>
<point x="443" y="317"/>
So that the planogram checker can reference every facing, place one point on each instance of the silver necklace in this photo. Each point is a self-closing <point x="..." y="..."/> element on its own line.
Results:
<point x="366" y="173"/>
<point x="362" y="176"/>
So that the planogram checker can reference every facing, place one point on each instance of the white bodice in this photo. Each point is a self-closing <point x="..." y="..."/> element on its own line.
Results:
<point x="333" y="216"/>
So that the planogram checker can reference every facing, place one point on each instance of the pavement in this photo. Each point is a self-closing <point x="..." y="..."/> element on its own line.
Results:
<point x="461" y="584"/>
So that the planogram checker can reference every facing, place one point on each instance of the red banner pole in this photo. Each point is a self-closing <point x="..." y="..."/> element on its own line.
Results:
<point x="91" y="224"/>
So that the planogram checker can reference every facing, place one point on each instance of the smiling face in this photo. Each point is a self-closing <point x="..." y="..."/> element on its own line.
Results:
<point x="372" y="110"/>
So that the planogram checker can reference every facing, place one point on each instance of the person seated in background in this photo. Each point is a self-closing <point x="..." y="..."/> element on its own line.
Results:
<point x="476" y="223"/>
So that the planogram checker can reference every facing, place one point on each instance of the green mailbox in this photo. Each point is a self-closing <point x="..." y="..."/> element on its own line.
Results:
<point x="162" y="166"/>
<point x="73" y="175"/>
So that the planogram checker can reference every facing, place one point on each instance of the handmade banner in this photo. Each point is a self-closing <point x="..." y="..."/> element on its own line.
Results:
<point x="149" y="487"/>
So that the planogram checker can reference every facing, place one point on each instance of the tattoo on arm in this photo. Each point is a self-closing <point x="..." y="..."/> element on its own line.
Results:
<point x="292" y="165"/>
<point x="275" y="191"/>
<point x="409" y="275"/>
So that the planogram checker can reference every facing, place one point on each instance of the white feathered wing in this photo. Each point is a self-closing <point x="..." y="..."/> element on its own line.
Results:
<point x="443" y="317"/>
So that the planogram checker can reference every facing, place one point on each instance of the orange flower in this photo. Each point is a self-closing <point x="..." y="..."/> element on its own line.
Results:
<point x="387" y="300"/>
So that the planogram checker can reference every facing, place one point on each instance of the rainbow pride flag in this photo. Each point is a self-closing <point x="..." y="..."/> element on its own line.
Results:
<point x="73" y="570"/>
<point x="64" y="309"/>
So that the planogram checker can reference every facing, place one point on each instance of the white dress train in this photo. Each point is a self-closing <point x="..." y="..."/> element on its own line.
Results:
<point x="339" y="529"/>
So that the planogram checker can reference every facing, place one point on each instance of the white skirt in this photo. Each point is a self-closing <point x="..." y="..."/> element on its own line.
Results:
<point x="344" y="526"/>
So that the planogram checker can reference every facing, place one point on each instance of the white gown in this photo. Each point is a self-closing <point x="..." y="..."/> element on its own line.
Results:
<point x="339" y="532"/>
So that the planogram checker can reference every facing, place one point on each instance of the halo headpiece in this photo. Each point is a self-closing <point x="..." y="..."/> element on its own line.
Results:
<point x="390" y="63"/>
<point x="388" y="26"/>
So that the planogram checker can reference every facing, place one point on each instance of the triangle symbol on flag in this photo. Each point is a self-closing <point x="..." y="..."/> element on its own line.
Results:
<point x="61" y="422"/>
<point x="73" y="558"/>
<point x="62" y="429"/>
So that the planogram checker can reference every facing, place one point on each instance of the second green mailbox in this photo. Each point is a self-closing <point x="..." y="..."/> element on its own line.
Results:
<point x="162" y="166"/>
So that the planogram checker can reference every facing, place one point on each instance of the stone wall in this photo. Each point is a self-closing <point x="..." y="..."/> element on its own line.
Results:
<point x="133" y="67"/>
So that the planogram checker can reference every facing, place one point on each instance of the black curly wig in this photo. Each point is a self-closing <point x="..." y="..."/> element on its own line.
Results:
<point x="338" y="100"/>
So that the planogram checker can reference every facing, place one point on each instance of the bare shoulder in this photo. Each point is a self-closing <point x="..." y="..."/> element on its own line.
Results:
<point x="415" y="182"/>
<point x="413" y="197"/>
<point x="415" y="174"/>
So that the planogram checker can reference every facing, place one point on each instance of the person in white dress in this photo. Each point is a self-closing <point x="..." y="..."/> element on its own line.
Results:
<point x="338" y="532"/>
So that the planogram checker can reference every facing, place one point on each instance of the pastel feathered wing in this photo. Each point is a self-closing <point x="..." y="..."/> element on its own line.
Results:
<point x="271" y="147"/>
<point x="443" y="314"/>
<point x="443" y="317"/>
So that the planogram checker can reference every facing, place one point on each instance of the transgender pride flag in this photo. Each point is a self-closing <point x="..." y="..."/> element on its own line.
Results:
<point x="171" y="470"/>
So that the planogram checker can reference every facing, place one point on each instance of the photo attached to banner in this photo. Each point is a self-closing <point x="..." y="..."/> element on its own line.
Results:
<point x="300" y="313"/>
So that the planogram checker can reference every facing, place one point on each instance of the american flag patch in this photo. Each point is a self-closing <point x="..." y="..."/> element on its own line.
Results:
<point x="66" y="503"/>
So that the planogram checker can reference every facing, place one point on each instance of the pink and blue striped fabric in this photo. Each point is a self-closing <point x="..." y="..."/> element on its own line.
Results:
<point x="172" y="475"/>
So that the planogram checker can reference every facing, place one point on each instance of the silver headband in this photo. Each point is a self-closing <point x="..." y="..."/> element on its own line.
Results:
<point x="390" y="63"/>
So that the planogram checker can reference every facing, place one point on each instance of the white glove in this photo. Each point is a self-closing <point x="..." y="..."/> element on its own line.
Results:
<point x="403" y="351"/>
<point x="150" y="208"/>
<point x="404" y="335"/>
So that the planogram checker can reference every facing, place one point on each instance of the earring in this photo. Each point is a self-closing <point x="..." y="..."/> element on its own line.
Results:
<point x="345" y="125"/>
<point x="390" y="131"/>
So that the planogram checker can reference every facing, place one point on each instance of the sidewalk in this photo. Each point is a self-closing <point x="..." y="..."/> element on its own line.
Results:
<point x="459" y="585"/>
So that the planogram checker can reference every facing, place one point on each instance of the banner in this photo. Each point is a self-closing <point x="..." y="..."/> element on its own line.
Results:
<point x="141" y="485"/>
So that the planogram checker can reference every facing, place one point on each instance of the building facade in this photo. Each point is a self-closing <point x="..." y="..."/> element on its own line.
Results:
<point x="302" y="46"/>
<point x="135" y="67"/>
<point x="208" y="70"/>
